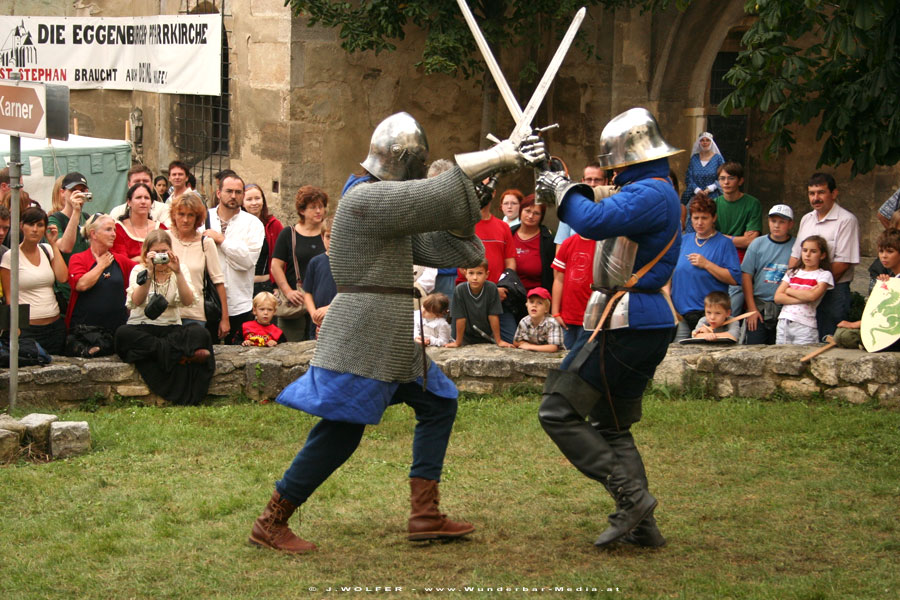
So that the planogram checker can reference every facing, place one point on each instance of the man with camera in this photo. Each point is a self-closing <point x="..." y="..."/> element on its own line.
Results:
<point x="71" y="218"/>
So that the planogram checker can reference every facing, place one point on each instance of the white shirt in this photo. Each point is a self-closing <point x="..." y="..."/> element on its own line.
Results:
<point x="238" y="253"/>
<point x="840" y="229"/>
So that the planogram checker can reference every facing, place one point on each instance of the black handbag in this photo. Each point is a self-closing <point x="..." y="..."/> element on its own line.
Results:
<point x="212" y="305"/>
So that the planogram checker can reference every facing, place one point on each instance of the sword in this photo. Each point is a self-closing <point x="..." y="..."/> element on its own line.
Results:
<point x="522" y="118"/>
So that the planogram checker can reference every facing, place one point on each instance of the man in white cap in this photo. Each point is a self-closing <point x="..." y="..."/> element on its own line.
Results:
<point x="764" y="266"/>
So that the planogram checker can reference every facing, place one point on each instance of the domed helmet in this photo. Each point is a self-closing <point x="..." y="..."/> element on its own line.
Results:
<point x="398" y="149"/>
<point x="630" y="138"/>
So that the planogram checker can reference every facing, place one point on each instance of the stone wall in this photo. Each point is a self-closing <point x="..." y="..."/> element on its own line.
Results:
<point x="260" y="373"/>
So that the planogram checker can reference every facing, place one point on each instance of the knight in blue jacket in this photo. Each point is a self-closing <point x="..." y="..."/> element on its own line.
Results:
<point x="590" y="404"/>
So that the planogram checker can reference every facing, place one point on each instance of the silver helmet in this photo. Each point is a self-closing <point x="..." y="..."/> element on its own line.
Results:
<point x="630" y="138"/>
<point x="398" y="149"/>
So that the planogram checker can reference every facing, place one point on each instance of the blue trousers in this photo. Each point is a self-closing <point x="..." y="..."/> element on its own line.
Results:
<point x="331" y="443"/>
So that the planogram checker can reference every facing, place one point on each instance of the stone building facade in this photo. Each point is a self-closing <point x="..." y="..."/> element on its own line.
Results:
<point x="299" y="110"/>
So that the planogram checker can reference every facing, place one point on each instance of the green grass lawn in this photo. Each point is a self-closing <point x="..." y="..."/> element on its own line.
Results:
<point x="757" y="499"/>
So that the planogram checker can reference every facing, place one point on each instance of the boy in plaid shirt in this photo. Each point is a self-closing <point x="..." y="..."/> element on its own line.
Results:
<point x="537" y="332"/>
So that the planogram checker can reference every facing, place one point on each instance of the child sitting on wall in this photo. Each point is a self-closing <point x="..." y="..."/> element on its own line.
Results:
<point x="847" y="334"/>
<point x="536" y="332"/>
<point x="435" y="308"/>
<point x="717" y="310"/>
<point x="261" y="331"/>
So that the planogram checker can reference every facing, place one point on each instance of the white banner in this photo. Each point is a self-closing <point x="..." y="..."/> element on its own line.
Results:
<point x="169" y="54"/>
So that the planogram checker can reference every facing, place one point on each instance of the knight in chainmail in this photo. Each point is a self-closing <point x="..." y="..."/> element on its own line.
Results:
<point x="386" y="221"/>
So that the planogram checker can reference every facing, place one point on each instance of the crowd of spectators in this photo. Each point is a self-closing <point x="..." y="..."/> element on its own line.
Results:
<point x="235" y="274"/>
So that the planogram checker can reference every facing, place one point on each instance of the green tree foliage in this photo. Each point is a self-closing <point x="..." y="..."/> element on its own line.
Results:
<point x="835" y="61"/>
<point x="449" y="47"/>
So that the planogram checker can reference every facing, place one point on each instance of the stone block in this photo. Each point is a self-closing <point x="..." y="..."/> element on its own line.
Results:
<point x="825" y="369"/>
<point x="223" y="367"/>
<point x="880" y="368"/>
<point x="889" y="396"/>
<point x="754" y="387"/>
<point x="670" y="372"/>
<point x="7" y="423"/>
<point x="849" y="393"/>
<point x="37" y="430"/>
<point x="475" y="386"/>
<point x="109" y="371"/>
<point x="262" y="379"/>
<point x="484" y="366"/>
<point x="57" y="374"/>
<point x="288" y="376"/>
<point x="741" y="362"/>
<point x="705" y="363"/>
<point x="800" y="388"/>
<point x="26" y="375"/>
<point x="9" y="445"/>
<point x="69" y="438"/>
<point x="132" y="391"/>
<point x="785" y="360"/>
<point x="224" y="388"/>
<point x="724" y="388"/>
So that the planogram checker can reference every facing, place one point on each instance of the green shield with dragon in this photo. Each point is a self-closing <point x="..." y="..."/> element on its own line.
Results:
<point x="880" y="325"/>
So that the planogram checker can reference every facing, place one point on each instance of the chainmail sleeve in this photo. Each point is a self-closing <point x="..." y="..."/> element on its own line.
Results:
<point x="372" y="244"/>
<point x="440" y="249"/>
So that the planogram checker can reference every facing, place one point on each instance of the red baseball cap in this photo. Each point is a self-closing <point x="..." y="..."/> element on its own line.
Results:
<point x="539" y="291"/>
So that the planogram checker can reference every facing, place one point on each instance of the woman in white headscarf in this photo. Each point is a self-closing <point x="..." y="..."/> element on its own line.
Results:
<point x="701" y="172"/>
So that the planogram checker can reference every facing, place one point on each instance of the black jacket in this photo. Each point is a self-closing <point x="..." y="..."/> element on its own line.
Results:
<point x="548" y="252"/>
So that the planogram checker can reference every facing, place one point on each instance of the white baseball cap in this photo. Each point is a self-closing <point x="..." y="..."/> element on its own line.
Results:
<point x="782" y="210"/>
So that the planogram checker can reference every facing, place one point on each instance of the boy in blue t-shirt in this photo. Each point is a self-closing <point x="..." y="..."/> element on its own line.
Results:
<point x="762" y="270"/>
<point x="319" y="284"/>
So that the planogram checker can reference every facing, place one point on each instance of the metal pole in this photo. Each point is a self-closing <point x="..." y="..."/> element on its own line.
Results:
<point x="15" y="184"/>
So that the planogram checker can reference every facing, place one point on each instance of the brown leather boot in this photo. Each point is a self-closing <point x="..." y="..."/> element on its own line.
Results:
<point x="271" y="528"/>
<point x="425" y="520"/>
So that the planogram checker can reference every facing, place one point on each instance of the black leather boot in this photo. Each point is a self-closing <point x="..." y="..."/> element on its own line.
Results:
<point x="588" y="450"/>
<point x="646" y="534"/>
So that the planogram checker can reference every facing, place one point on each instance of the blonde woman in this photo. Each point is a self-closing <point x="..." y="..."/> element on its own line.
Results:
<point x="188" y="213"/>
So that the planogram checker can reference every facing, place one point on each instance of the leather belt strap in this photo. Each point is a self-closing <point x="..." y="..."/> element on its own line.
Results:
<point x="412" y="292"/>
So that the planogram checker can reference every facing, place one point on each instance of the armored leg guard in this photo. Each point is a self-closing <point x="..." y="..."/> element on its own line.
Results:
<point x="563" y="418"/>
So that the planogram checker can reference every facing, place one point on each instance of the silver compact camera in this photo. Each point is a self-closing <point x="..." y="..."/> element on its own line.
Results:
<point x="87" y="196"/>
<point x="161" y="258"/>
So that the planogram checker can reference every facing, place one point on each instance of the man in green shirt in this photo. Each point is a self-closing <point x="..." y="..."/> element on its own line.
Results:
<point x="739" y="215"/>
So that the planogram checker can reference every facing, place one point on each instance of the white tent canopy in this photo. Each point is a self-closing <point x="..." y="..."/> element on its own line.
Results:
<point x="104" y="163"/>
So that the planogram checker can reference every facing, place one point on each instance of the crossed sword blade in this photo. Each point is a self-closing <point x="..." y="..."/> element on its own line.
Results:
<point x="522" y="118"/>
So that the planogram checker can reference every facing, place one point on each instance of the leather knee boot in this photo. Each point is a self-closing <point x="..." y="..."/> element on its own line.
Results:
<point x="271" y="528"/>
<point x="646" y="534"/>
<point x="425" y="519"/>
<point x="591" y="454"/>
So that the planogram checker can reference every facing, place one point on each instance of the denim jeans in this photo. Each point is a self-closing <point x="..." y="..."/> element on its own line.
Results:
<point x="331" y="443"/>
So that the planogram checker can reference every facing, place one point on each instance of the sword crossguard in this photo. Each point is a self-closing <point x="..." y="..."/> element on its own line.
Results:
<point x="541" y="130"/>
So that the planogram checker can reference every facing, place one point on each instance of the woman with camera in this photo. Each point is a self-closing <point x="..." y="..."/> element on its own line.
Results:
<point x="175" y="360"/>
<point x="98" y="278"/>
